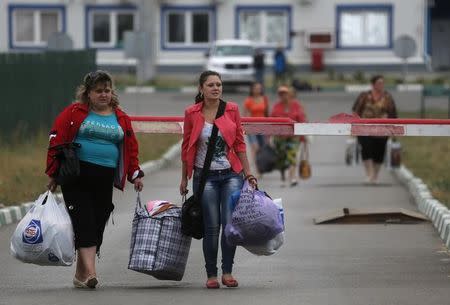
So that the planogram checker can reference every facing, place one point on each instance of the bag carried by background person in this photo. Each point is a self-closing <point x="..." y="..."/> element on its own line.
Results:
<point x="266" y="159"/>
<point x="192" y="214"/>
<point x="396" y="154"/>
<point x="158" y="247"/>
<point x="304" y="169"/>
<point x="45" y="235"/>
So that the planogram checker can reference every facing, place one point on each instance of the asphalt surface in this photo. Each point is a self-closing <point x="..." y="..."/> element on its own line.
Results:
<point x="379" y="264"/>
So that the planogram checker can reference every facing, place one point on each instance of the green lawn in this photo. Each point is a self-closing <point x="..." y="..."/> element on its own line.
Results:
<point x="429" y="159"/>
<point x="22" y="164"/>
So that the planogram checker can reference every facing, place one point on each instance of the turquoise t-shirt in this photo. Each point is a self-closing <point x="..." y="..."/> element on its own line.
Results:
<point x="99" y="136"/>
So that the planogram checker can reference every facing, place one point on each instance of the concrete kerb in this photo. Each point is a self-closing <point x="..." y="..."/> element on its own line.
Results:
<point x="438" y="213"/>
<point x="13" y="214"/>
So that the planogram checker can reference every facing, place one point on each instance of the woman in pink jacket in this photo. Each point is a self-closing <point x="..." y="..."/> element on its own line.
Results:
<point x="229" y="167"/>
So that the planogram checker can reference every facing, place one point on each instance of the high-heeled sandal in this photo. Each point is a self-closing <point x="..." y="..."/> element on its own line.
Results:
<point x="212" y="284"/>
<point x="229" y="281"/>
<point x="90" y="282"/>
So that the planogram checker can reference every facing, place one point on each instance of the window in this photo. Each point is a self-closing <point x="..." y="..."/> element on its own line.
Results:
<point x="187" y="27"/>
<point x="364" y="27"/>
<point x="266" y="26"/>
<point x="107" y="25"/>
<point x="32" y="26"/>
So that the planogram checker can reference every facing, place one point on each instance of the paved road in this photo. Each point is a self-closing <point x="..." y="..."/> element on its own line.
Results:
<point x="319" y="264"/>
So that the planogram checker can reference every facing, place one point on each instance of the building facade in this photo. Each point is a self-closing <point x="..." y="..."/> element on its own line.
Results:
<point x="342" y="34"/>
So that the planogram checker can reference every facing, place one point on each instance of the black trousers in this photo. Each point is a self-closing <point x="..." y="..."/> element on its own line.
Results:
<point x="89" y="202"/>
<point x="373" y="148"/>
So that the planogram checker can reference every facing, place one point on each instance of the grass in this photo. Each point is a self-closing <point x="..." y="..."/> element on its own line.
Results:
<point x="22" y="164"/>
<point x="161" y="81"/>
<point x="429" y="159"/>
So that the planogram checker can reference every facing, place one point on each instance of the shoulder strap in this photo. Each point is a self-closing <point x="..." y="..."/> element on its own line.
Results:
<point x="210" y="151"/>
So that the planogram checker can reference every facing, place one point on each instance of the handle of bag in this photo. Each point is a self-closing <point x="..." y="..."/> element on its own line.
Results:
<point x="44" y="201"/>
<point x="139" y="204"/>
<point x="304" y="151"/>
<point x="66" y="144"/>
<point x="210" y="151"/>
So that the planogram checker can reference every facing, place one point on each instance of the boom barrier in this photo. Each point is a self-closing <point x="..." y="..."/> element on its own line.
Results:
<point x="338" y="125"/>
<point x="335" y="127"/>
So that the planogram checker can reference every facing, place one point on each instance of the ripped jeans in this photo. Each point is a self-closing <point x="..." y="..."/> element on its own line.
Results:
<point x="216" y="199"/>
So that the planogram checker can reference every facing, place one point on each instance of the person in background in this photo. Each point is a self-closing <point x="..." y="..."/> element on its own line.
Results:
<point x="256" y="105"/>
<point x="375" y="103"/>
<point x="258" y="65"/>
<point x="229" y="168"/>
<point x="108" y="155"/>
<point x="280" y="67"/>
<point x="286" y="147"/>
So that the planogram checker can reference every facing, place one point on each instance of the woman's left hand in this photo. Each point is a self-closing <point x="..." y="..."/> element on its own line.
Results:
<point x="138" y="185"/>
<point x="252" y="180"/>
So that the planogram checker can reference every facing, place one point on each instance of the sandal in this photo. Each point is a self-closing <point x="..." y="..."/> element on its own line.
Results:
<point x="212" y="283"/>
<point x="90" y="282"/>
<point x="229" y="281"/>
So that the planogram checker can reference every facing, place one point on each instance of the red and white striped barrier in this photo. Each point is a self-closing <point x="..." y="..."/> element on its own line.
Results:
<point x="377" y="127"/>
<point x="268" y="126"/>
<point x="337" y="126"/>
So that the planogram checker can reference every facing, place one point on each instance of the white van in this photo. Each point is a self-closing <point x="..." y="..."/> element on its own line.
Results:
<point x="233" y="60"/>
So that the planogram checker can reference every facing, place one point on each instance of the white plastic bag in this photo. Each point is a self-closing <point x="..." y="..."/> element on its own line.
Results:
<point x="275" y="243"/>
<point x="45" y="236"/>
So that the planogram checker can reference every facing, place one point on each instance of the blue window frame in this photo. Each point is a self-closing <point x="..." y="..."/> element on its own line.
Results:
<point x="106" y="25"/>
<point x="187" y="27"/>
<point x="364" y="27"/>
<point x="267" y="26"/>
<point x="30" y="26"/>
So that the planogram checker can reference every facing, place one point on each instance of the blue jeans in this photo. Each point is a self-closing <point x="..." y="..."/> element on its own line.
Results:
<point x="216" y="201"/>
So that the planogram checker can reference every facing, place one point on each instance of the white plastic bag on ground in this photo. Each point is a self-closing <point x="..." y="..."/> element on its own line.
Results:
<point x="275" y="243"/>
<point x="44" y="236"/>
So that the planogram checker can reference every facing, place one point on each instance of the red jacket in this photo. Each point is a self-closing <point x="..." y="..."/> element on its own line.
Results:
<point x="65" y="129"/>
<point x="229" y="126"/>
<point x="295" y="111"/>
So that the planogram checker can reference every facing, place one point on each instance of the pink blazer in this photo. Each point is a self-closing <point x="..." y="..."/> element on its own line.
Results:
<point x="229" y="126"/>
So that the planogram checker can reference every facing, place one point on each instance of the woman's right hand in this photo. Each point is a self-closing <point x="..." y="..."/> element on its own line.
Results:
<point x="51" y="185"/>
<point x="183" y="187"/>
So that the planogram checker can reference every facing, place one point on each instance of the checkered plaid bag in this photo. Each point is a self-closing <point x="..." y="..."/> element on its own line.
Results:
<point x="158" y="247"/>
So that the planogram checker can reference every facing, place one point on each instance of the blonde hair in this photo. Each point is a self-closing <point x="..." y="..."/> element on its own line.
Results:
<point x="90" y="82"/>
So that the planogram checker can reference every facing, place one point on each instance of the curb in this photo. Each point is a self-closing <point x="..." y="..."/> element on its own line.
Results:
<point x="438" y="213"/>
<point x="15" y="213"/>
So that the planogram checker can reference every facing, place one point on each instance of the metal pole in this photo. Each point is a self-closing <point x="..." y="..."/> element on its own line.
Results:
<point x="146" y="64"/>
<point x="422" y="104"/>
<point x="405" y="70"/>
<point x="448" y="108"/>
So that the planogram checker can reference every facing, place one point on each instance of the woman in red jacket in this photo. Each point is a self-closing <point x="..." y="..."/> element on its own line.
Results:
<point x="228" y="168"/>
<point x="287" y="146"/>
<point x="108" y="154"/>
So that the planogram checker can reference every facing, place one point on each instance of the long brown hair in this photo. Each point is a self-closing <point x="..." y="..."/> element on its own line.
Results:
<point x="201" y="80"/>
<point x="90" y="82"/>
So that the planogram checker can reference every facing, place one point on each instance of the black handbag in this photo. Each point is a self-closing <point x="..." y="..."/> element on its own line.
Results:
<point x="69" y="164"/>
<point x="191" y="211"/>
<point x="266" y="159"/>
